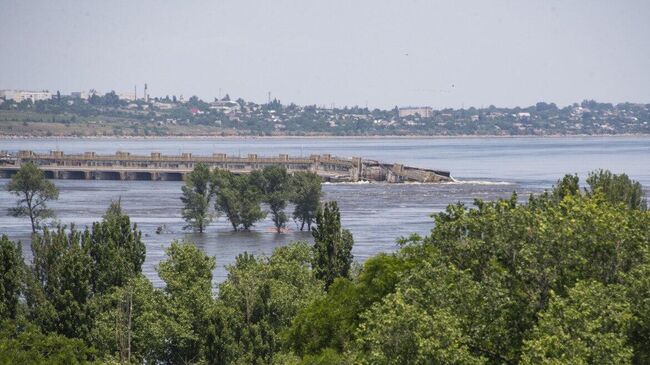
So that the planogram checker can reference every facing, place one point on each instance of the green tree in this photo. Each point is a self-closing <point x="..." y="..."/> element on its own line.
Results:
<point x="224" y="189"/>
<point x="23" y="343"/>
<point x="568" y="185"/>
<point x="638" y="289"/>
<point x="221" y="345"/>
<point x="187" y="274"/>
<point x="114" y="209"/>
<point x="617" y="188"/>
<point x="589" y="326"/>
<point x="11" y="277"/>
<point x="133" y="323"/>
<point x="34" y="191"/>
<point x="238" y="198"/>
<point x="330" y="322"/>
<point x="259" y="300"/>
<point x="326" y="357"/>
<point x="529" y="251"/>
<point x="306" y="195"/>
<point x="60" y="284"/>
<point x="481" y="309"/>
<point x="396" y="332"/>
<point x="276" y="189"/>
<point x="332" y="245"/>
<point x="196" y="198"/>
<point x="115" y="248"/>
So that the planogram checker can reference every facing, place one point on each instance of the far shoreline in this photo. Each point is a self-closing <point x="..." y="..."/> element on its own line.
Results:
<point x="324" y="136"/>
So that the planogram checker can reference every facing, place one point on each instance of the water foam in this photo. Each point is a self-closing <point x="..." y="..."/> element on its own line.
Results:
<point x="477" y="182"/>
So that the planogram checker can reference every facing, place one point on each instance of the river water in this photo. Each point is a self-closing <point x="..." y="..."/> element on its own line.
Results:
<point x="376" y="213"/>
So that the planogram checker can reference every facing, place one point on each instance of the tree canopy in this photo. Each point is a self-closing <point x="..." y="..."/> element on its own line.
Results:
<point x="34" y="191"/>
<point x="197" y="197"/>
<point x="11" y="277"/>
<point x="332" y="245"/>
<point x="306" y="196"/>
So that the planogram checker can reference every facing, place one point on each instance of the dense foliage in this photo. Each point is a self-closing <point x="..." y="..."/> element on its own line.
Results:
<point x="11" y="277"/>
<point x="562" y="278"/>
<point x="34" y="191"/>
<point x="275" y="185"/>
<point x="306" y="197"/>
<point x="239" y="198"/>
<point x="197" y="197"/>
<point x="332" y="245"/>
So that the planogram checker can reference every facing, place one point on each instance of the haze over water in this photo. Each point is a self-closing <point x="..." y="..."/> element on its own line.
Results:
<point x="377" y="213"/>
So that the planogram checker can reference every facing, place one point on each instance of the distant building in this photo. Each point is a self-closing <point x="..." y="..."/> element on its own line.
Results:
<point x="20" y="95"/>
<point x="160" y="105"/>
<point x="85" y="95"/>
<point x="79" y="95"/>
<point x="225" y="106"/>
<point x="422" y="111"/>
<point x="130" y="96"/>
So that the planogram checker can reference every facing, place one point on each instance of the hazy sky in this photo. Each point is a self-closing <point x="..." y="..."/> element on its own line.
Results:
<point x="383" y="53"/>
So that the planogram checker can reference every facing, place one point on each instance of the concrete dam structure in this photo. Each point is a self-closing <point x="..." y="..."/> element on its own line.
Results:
<point x="159" y="167"/>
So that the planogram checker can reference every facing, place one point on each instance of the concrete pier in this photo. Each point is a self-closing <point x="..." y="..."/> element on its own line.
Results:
<point x="158" y="167"/>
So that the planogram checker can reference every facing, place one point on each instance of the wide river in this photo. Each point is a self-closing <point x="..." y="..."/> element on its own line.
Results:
<point x="377" y="213"/>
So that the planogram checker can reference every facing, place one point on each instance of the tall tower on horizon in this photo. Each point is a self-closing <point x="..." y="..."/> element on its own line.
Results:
<point x="146" y="93"/>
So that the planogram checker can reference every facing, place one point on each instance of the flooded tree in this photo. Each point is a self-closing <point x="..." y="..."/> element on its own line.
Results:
<point x="34" y="191"/>
<point x="238" y="198"/>
<point x="275" y="185"/>
<point x="196" y="198"/>
<point x="305" y="195"/>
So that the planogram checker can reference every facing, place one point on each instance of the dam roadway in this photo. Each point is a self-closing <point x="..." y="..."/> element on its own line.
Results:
<point x="158" y="167"/>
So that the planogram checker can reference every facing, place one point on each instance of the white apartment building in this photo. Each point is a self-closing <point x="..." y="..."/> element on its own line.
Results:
<point x="20" y="95"/>
<point x="422" y="111"/>
<point x="130" y="96"/>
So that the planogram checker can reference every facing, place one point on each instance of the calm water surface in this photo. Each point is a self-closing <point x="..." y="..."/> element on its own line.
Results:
<point x="486" y="168"/>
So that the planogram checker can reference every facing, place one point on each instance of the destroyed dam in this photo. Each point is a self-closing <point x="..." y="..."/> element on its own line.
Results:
<point x="159" y="167"/>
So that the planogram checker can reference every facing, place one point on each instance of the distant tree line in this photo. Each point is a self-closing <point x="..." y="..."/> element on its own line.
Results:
<point x="207" y="194"/>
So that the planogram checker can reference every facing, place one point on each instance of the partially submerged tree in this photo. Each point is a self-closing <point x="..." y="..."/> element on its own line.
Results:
<point x="238" y="199"/>
<point x="196" y="198"/>
<point x="306" y="194"/>
<point x="332" y="245"/>
<point x="275" y="186"/>
<point x="34" y="191"/>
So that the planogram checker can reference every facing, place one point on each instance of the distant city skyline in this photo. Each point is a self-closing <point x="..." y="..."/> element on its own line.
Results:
<point x="376" y="53"/>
